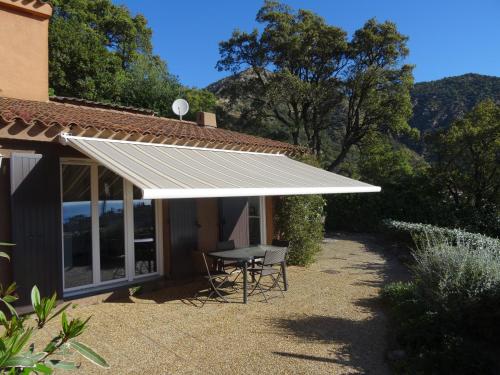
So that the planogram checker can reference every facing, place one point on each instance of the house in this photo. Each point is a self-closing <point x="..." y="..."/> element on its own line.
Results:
<point x="97" y="196"/>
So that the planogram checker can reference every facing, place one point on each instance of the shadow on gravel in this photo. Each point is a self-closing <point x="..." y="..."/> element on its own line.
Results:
<point x="354" y="338"/>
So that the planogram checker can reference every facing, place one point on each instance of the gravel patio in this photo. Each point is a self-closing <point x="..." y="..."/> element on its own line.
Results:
<point x="330" y="322"/>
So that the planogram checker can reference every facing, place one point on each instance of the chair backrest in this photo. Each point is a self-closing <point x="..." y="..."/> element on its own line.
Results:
<point x="225" y="245"/>
<point x="274" y="256"/>
<point x="206" y="263"/>
<point x="280" y="243"/>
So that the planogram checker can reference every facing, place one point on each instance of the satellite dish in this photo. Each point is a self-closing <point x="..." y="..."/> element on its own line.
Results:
<point x="180" y="107"/>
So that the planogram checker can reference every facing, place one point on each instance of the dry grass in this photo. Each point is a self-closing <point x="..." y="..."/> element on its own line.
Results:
<point x="329" y="323"/>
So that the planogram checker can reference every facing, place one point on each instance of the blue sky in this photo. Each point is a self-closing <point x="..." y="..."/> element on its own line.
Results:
<point x="447" y="37"/>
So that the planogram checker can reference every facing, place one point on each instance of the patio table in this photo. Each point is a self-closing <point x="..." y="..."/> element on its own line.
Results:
<point x="245" y="255"/>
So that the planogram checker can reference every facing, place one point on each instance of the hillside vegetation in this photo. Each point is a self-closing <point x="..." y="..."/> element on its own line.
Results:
<point x="436" y="104"/>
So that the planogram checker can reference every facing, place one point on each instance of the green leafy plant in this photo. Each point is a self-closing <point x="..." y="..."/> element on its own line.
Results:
<point x="446" y="319"/>
<point x="44" y="306"/>
<point x="425" y="236"/>
<point x="300" y="221"/>
<point x="17" y="357"/>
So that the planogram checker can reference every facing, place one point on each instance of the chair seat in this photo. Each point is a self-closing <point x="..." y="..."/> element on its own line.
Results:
<point x="230" y="263"/>
<point x="265" y="271"/>
<point x="216" y="274"/>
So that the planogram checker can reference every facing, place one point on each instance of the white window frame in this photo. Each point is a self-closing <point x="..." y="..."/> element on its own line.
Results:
<point x="263" y="220"/>
<point x="128" y="232"/>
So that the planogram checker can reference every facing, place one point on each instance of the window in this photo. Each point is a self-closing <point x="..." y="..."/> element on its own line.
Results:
<point x="111" y="228"/>
<point x="254" y="220"/>
<point x="77" y="225"/>
<point x="144" y="234"/>
<point x="110" y="232"/>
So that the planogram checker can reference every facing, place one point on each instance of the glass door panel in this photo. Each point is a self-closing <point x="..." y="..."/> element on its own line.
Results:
<point x="144" y="234"/>
<point x="77" y="225"/>
<point x="111" y="225"/>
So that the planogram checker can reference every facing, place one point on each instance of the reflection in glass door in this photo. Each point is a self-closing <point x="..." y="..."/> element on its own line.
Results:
<point x="77" y="225"/>
<point x="144" y="234"/>
<point x="254" y="220"/>
<point x="110" y="232"/>
<point x="111" y="229"/>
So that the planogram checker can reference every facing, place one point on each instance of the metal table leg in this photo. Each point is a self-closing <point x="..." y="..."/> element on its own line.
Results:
<point x="253" y="266"/>
<point x="285" y="279"/>
<point x="245" y="282"/>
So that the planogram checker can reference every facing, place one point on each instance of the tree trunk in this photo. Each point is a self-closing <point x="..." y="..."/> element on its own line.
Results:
<point x="339" y="159"/>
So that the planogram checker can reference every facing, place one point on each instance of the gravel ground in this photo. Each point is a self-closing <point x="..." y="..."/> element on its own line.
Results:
<point x="330" y="322"/>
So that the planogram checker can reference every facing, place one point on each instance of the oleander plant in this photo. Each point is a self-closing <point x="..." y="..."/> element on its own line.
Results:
<point x="18" y="354"/>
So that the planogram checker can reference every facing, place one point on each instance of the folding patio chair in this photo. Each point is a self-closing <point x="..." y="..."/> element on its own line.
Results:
<point x="272" y="258"/>
<point x="229" y="266"/>
<point x="224" y="246"/>
<point x="216" y="280"/>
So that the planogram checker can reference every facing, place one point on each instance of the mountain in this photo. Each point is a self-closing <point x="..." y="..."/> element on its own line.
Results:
<point x="436" y="104"/>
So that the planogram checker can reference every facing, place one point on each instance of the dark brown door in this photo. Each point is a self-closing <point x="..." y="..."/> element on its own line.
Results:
<point x="234" y="220"/>
<point x="36" y="224"/>
<point x="183" y="236"/>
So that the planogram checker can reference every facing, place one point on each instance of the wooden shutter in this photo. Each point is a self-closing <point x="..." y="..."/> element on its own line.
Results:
<point x="36" y="224"/>
<point x="234" y="220"/>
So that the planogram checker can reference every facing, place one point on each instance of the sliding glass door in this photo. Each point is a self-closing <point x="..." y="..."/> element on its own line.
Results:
<point x="144" y="234"/>
<point x="111" y="226"/>
<point x="77" y="225"/>
<point x="110" y="232"/>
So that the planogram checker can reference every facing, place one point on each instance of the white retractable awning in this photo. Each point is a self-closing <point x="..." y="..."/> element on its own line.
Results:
<point x="169" y="171"/>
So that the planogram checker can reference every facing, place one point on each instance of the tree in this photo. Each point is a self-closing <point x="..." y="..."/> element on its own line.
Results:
<point x="91" y="43"/>
<point x="294" y="66"/>
<point x="148" y="84"/>
<point x="376" y="87"/>
<point x="99" y="51"/>
<point x="306" y="74"/>
<point x="466" y="160"/>
<point x="199" y="101"/>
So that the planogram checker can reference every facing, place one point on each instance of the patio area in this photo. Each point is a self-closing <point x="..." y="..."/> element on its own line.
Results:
<point x="330" y="322"/>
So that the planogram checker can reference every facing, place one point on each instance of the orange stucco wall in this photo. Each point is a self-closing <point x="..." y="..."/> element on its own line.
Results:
<point x="24" y="66"/>
<point x="208" y="224"/>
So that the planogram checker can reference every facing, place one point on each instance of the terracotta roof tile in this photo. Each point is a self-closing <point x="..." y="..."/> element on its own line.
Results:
<point x="69" y="116"/>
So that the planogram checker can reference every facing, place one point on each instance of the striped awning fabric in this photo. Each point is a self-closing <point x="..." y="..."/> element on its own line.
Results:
<point x="169" y="171"/>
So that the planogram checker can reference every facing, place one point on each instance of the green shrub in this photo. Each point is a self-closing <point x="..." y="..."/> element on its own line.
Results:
<point x="299" y="220"/>
<point x="425" y="236"/>
<point x="446" y="319"/>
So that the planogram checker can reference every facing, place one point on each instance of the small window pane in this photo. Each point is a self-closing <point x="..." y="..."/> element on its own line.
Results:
<point x="253" y="206"/>
<point x="144" y="234"/>
<point x="77" y="225"/>
<point x="254" y="230"/>
<point x="111" y="225"/>
<point x="254" y="220"/>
